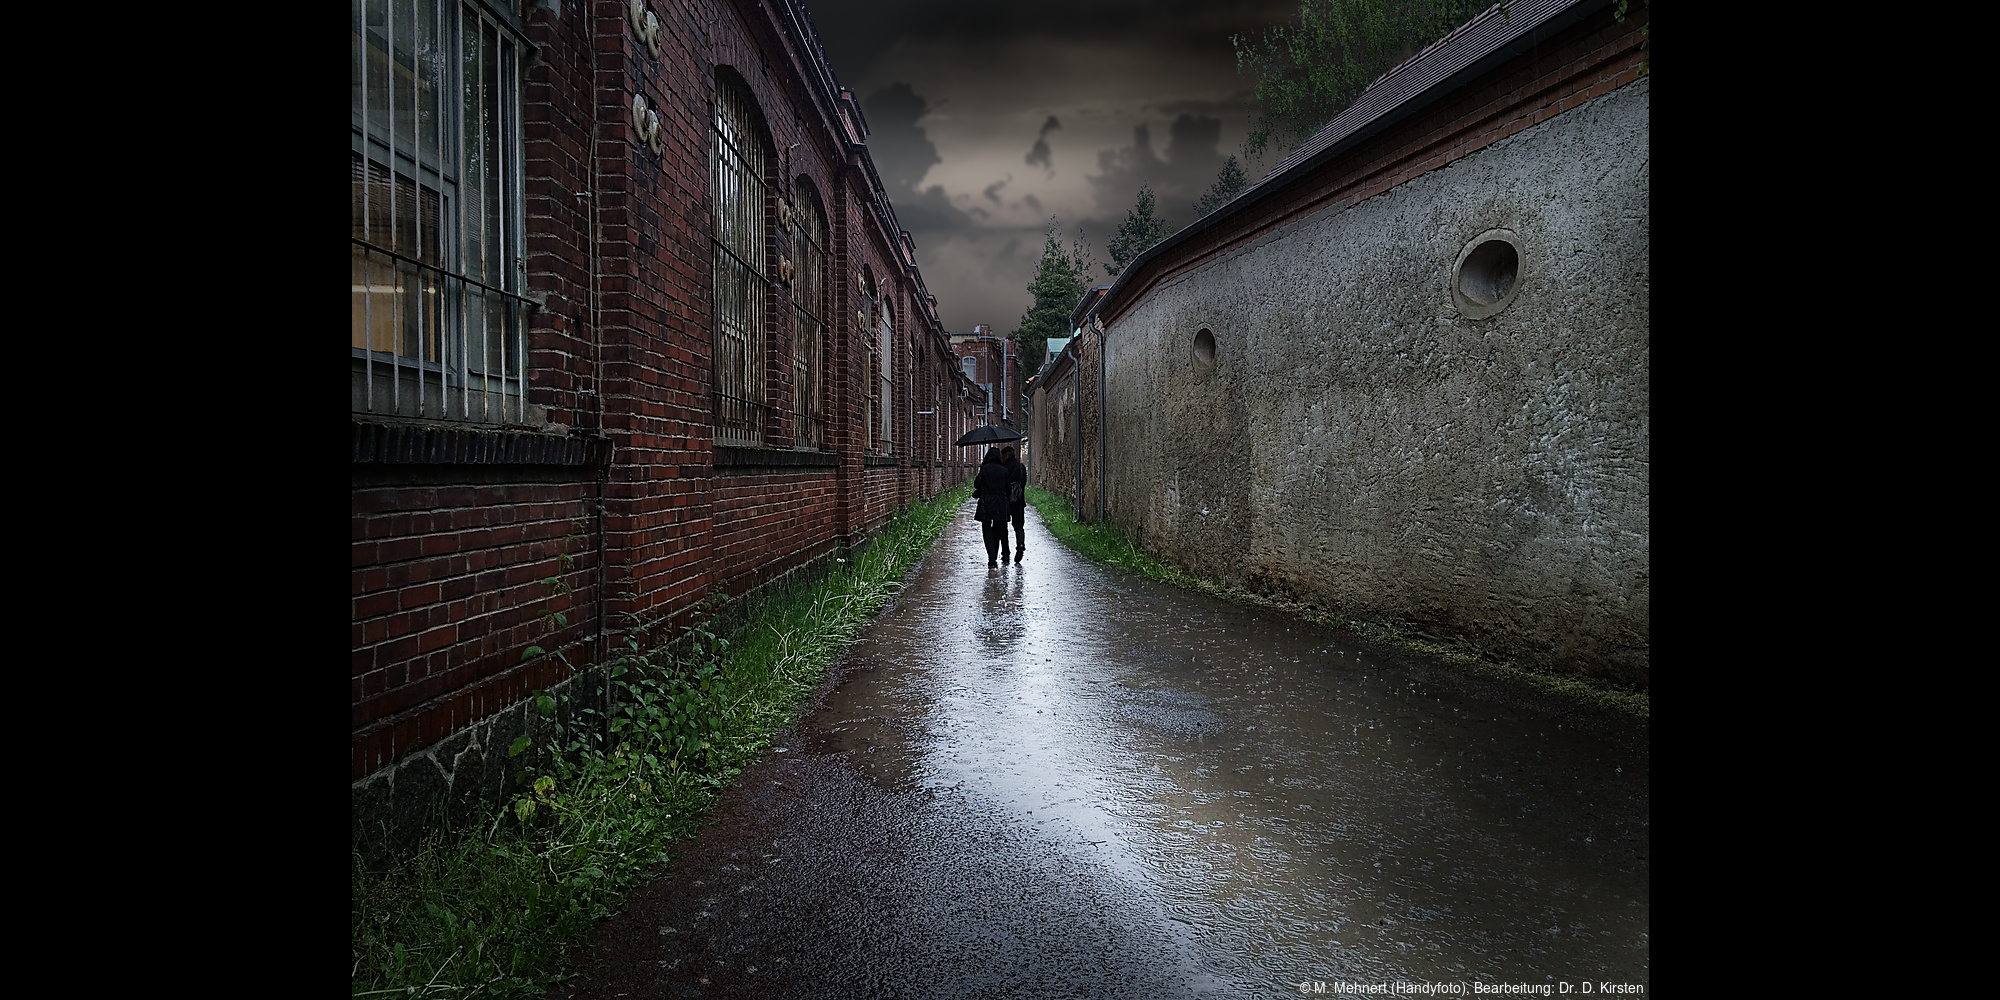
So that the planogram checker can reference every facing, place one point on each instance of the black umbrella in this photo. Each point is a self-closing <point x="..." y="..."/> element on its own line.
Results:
<point x="987" y="435"/>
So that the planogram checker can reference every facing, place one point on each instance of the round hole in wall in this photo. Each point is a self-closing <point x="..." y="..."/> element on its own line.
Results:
<point x="1204" y="349"/>
<point x="1487" y="275"/>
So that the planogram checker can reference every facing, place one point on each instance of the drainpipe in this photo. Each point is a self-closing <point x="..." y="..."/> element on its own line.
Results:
<point x="600" y="647"/>
<point x="1099" y="324"/>
<point x="1075" y="377"/>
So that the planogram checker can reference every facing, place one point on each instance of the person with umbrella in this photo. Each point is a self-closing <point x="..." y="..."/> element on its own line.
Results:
<point x="992" y="487"/>
<point x="1017" y="503"/>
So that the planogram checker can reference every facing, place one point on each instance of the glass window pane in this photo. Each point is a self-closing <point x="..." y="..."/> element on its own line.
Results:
<point x="377" y="43"/>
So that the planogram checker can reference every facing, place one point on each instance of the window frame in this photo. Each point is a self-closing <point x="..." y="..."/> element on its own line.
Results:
<point x="885" y="334"/>
<point x="741" y="231"/>
<point x="810" y="305"/>
<point x="454" y="346"/>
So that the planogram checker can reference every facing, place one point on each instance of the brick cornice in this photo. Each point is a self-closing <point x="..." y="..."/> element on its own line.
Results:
<point x="431" y="444"/>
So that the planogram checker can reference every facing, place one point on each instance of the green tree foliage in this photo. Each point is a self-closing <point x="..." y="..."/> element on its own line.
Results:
<point x="1645" y="33"/>
<point x="1312" y="67"/>
<point x="1228" y="184"/>
<point x="1138" y="233"/>
<point x="1061" y="277"/>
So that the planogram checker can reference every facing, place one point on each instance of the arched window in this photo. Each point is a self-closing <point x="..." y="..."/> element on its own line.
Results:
<point x="884" y="335"/>
<point x="738" y="162"/>
<point x="809" y="311"/>
<point x="869" y="405"/>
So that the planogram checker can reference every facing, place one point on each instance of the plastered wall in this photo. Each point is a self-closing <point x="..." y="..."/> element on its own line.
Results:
<point x="1360" y="443"/>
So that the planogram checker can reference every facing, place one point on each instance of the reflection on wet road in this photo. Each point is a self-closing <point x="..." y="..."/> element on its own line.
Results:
<point x="1064" y="781"/>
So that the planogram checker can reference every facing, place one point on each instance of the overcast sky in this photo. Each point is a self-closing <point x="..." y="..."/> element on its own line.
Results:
<point x="987" y="118"/>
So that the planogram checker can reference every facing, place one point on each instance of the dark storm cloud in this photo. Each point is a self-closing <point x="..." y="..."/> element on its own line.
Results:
<point x="902" y="154"/>
<point x="1006" y="260"/>
<point x="857" y="32"/>
<point x="1039" y="155"/>
<point x="1192" y="160"/>
<point x="1235" y="104"/>
<point x="1003" y="65"/>
<point x="993" y="190"/>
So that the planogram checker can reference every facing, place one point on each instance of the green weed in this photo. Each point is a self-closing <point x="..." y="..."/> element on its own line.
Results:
<point x="496" y="910"/>
<point x="1108" y="545"/>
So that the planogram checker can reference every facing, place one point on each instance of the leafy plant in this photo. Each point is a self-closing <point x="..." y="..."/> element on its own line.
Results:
<point x="1062" y="275"/>
<point x="1229" y="182"/>
<point x="1311" y="68"/>
<point x="493" y="910"/>
<point x="1624" y="9"/>
<point x="1141" y="231"/>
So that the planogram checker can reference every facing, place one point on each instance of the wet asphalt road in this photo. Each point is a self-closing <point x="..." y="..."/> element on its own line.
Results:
<point x="1064" y="781"/>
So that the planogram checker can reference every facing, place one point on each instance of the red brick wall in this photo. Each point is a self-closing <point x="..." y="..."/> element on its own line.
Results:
<point x="449" y="559"/>
<point x="447" y="590"/>
<point x="767" y="525"/>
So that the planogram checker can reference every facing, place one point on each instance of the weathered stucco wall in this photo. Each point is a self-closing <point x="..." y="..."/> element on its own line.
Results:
<point x="1053" y="430"/>
<point x="1360" y="443"/>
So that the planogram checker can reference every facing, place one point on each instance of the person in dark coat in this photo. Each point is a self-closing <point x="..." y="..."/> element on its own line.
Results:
<point x="991" y="488"/>
<point x="1018" y="504"/>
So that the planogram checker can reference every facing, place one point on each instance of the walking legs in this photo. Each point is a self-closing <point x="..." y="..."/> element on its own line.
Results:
<point x="995" y="534"/>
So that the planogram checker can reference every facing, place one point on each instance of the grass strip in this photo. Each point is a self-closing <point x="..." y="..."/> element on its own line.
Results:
<point x="1107" y="545"/>
<point x="498" y="910"/>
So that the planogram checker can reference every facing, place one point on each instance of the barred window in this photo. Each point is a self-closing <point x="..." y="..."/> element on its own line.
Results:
<point x="884" y="335"/>
<point x="870" y="406"/>
<point x="808" y="319"/>
<point x="436" y="244"/>
<point x="738" y="163"/>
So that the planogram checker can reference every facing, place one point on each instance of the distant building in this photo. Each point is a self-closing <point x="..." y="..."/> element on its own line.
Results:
<point x="989" y="360"/>
<point x="1406" y="375"/>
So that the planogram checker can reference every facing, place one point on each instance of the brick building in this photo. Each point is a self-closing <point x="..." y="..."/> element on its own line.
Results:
<point x="988" y="359"/>
<point x="1406" y="374"/>
<point x="633" y="323"/>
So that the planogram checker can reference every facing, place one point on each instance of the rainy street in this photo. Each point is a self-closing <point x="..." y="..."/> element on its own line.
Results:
<point x="1060" y="780"/>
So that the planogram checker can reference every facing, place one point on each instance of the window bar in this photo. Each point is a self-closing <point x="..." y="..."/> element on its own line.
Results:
<point x="491" y="71"/>
<point x="486" y="193"/>
<point x="492" y="189"/>
<point x="417" y="210"/>
<point x="395" y="269"/>
<point x="367" y="217"/>
<point x="434" y="305"/>
<point x="441" y="87"/>
<point x="483" y="95"/>
<point x="464" y="186"/>
<point x="510" y="309"/>
<point x="410" y="275"/>
<point x="504" y="148"/>
<point x="517" y="245"/>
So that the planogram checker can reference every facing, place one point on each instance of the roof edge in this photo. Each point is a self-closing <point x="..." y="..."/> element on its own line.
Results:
<point x="1560" y="17"/>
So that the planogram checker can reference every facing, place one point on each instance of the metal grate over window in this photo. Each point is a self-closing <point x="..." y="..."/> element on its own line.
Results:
<point x="885" y="335"/>
<point x="869" y="404"/>
<point x="738" y="163"/>
<point x="436" y="244"/>
<point x="809" y="309"/>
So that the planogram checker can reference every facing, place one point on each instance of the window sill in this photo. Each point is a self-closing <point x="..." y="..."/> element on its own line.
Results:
<point x="731" y="457"/>
<point x="435" y="444"/>
<point x="873" y="461"/>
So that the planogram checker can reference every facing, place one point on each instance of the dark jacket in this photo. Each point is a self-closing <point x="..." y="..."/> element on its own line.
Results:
<point x="990" y="486"/>
<point x="1018" y="473"/>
